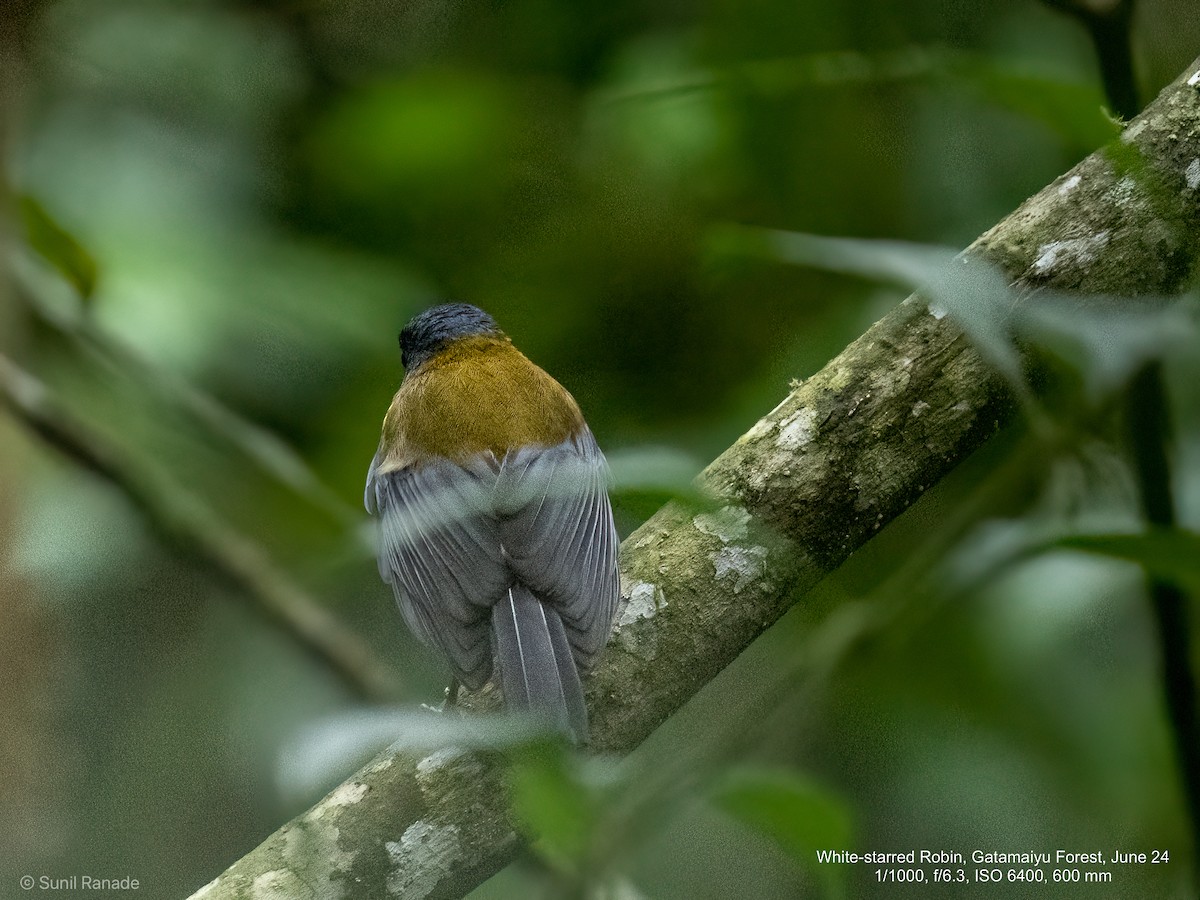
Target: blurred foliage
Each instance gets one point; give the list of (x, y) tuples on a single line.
[(799, 816), (57, 246), (222, 212), (1171, 555)]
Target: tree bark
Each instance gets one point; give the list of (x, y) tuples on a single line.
[(846, 452)]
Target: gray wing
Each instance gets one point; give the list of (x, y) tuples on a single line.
[(559, 538), (439, 548)]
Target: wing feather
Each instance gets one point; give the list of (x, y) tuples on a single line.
[(440, 550), (557, 527), (455, 537)]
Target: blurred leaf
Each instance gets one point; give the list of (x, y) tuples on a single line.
[(328, 749), (556, 807), (1105, 343), (661, 473), (1101, 340), (645, 478), (57, 245), (798, 815), (907, 264), (974, 292), (1173, 555)]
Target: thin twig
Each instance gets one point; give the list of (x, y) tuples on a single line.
[(1149, 433), (1149, 430), (196, 529), (260, 446)]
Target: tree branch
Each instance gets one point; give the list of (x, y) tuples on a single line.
[(268, 452), (198, 531), (846, 452)]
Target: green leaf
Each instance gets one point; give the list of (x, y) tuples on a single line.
[(1105, 343), (645, 478), (556, 808), (57, 245), (1170, 554), (974, 292), (800, 816)]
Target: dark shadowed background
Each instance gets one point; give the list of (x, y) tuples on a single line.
[(222, 213)]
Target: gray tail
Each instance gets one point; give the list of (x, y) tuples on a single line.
[(537, 668)]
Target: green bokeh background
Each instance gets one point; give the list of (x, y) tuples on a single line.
[(270, 190)]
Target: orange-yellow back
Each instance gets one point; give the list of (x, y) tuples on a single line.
[(479, 393)]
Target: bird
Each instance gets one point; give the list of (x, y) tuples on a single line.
[(495, 528)]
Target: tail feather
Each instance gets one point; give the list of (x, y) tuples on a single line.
[(537, 666)]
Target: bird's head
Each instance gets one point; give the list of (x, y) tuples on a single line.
[(437, 328)]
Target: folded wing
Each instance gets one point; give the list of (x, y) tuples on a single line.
[(454, 538), (559, 539), (439, 548)]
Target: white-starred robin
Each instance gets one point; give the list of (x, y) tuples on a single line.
[(496, 531)]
